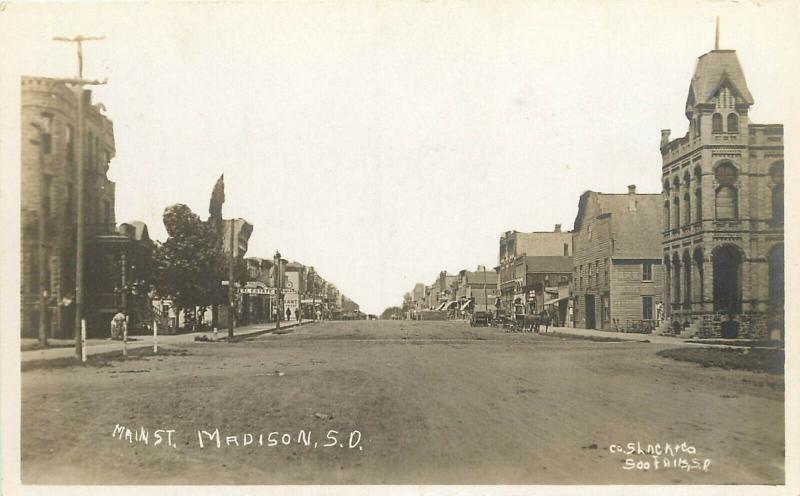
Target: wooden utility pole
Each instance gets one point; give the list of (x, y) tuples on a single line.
[(230, 285), (278, 276), (79, 199)]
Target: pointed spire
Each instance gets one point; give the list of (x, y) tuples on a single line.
[(716, 38)]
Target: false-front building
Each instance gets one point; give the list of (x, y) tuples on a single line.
[(723, 210)]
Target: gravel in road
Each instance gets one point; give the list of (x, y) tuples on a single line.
[(411, 403)]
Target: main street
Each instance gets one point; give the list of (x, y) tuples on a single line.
[(432, 403)]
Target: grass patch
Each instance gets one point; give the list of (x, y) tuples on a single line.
[(755, 360), (751, 343), (599, 339), (102, 359)]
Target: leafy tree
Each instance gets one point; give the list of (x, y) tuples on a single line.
[(190, 264), (387, 314)]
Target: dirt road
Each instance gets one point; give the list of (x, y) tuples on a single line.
[(432, 403)]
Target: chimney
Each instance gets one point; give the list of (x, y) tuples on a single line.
[(665, 136), (632, 198), (631, 189), (558, 228)]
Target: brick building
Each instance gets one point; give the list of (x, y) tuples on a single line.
[(617, 271), (48, 192), (723, 210), (516, 275)]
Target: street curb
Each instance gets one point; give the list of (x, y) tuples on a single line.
[(262, 332)]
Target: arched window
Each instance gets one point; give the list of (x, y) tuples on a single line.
[(716, 123), (726, 203), (666, 216), (733, 123), (726, 174), (697, 124)]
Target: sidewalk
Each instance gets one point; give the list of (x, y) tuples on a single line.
[(64, 348), (627, 336)]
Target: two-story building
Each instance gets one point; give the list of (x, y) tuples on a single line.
[(617, 271), (520, 274)]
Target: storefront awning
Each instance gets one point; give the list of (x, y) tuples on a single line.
[(441, 306), (451, 305), (555, 300), (465, 305)]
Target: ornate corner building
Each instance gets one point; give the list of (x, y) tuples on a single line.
[(723, 211)]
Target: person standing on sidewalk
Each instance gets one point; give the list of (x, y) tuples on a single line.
[(297, 314), (288, 314)]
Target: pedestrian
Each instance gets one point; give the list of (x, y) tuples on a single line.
[(297, 314), (118, 325), (659, 313), (318, 314), (288, 314)]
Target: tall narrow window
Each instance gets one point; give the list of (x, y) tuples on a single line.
[(716, 123), (687, 211), (776, 173), (777, 202), (70, 141), (666, 216), (726, 203), (47, 133), (733, 123), (677, 205), (647, 271)]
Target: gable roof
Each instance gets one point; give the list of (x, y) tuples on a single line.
[(713, 69), (637, 233)]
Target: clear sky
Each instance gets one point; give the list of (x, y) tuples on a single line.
[(383, 142)]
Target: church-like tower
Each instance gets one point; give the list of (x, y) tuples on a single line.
[(723, 211)]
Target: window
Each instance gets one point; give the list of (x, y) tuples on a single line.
[(726, 203), (666, 216), (677, 205), (698, 124), (726, 174), (733, 123), (566, 249), (647, 307), (777, 202), (647, 271), (698, 205), (47, 133), (716, 123), (776, 173), (70, 140), (687, 211)]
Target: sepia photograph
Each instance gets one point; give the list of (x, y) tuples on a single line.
[(398, 247)]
